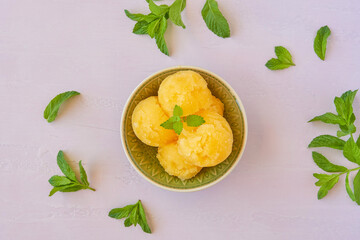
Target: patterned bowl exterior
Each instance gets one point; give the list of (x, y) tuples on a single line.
[(143, 157)]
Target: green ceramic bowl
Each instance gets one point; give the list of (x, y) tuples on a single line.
[(143, 157)]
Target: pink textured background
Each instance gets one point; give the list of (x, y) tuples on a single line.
[(50, 46)]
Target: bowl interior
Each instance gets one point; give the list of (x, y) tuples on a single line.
[(143, 156)]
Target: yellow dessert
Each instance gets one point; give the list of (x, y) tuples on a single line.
[(146, 120), (174, 164), (208, 144), (186, 89), (216, 106)]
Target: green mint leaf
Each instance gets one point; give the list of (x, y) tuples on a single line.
[(327, 186), (194, 120), (178, 127), (134, 215), (177, 111), (138, 17), (142, 220), (346, 130), (73, 187), (320, 41), (65, 167), (141, 28), (175, 12), (340, 107), (348, 188), (349, 96), (352, 151), (127, 222), (215, 20), (325, 165), (153, 27), (283, 61), (357, 188), (83, 175), (329, 118), (158, 10), (327, 141), (52, 108), (283, 55), (358, 141), (323, 178), (119, 213), (160, 39), (58, 181)]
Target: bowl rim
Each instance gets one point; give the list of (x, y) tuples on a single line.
[(239, 102)]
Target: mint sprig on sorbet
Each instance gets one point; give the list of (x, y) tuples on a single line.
[(175, 122)]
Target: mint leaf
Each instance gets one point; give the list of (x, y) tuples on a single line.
[(141, 27), (159, 37), (69, 182), (134, 215), (58, 181), (357, 188), (52, 108), (83, 175), (348, 188), (178, 127), (327, 185), (358, 141), (194, 120), (346, 130), (65, 167), (327, 141), (138, 17), (352, 151), (325, 165), (283, 55), (215, 20), (177, 111), (283, 61), (323, 178), (175, 12), (142, 220), (329, 118), (127, 222), (119, 213), (320, 41), (153, 27), (158, 10)]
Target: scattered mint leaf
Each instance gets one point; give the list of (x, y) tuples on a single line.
[(69, 182), (175, 122), (141, 27), (214, 19), (175, 12), (65, 167), (58, 181), (348, 188), (327, 141), (352, 151), (141, 17), (327, 186), (177, 111), (52, 108), (357, 188), (153, 27), (325, 165), (329, 118), (283, 61), (158, 10), (83, 175), (194, 120), (134, 215), (320, 41)]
